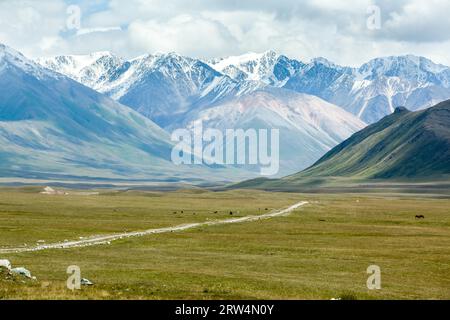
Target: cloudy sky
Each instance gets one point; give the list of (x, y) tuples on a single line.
[(346, 33)]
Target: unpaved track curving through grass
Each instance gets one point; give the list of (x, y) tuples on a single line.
[(106, 239)]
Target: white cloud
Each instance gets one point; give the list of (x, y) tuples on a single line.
[(185, 34), (29, 25), (85, 31), (305, 29), (420, 21)]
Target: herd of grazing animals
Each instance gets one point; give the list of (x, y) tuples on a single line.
[(418, 217), (216, 212)]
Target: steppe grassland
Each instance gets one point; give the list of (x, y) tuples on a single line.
[(320, 251)]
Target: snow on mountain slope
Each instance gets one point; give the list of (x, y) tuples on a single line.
[(52, 126), (376, 88), (164, 87), (10, 58), (97, 70), (171, 89), (160, 87), (269, 68), (308, 126)]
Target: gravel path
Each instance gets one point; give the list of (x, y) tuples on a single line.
[(107, 239)]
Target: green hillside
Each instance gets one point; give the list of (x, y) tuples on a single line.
[(404, 146)]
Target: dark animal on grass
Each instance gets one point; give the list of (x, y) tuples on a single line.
[(420, 217), (231, 213)]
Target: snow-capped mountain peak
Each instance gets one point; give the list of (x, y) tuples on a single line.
[(61, 130), (408, 67), (269, 67), (10, 57), (9, 53), (74, 64), (177, 82), (375, 89), (324, 61), (5, 50), (92, 69)]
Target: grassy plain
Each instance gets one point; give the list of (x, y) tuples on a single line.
[(320, 251)]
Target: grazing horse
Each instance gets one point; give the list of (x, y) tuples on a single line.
[(420, 217)]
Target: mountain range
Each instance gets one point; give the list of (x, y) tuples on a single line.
[(101, 116), (160, 87), (176, 91), (163, 87), (54, 127)]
